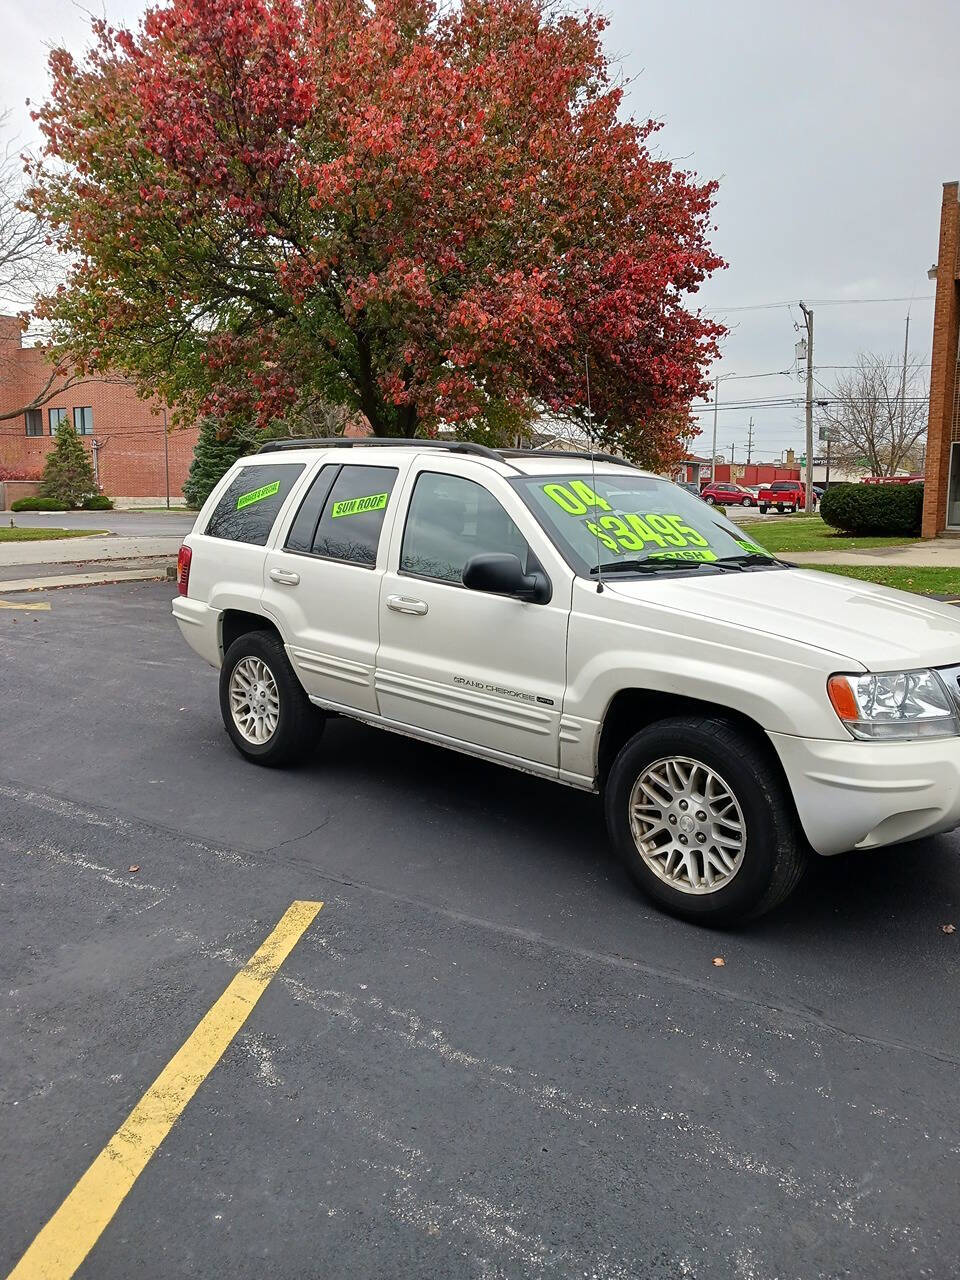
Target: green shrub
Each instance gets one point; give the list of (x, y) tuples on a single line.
[(874, 509), (37, 504), (97, 502)]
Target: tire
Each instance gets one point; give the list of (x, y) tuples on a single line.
[(772, 855), (781, 508), (710, 501), (299, 723), (747, 502), (763, 508)]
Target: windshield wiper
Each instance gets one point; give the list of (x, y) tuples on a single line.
[(647, 566), (748, 559)]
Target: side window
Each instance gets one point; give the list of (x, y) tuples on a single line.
[(349, 528), (304, 527), (450, 520), (248, 508)]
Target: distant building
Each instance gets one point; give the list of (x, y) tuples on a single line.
[(941, 500), (124, 434)]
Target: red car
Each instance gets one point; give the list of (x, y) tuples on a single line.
[(727, 495), (785, 495)]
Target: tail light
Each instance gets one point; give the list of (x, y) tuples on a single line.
[(183, 569)]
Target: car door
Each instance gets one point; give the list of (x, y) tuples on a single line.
[(464, 666), (322, 582)]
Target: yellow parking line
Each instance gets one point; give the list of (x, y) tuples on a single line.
[(9, 604), (74, 1229)]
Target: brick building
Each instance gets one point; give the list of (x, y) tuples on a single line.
[(941, 504), (124, 434)]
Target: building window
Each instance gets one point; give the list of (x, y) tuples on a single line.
[(34, 419), (83, 422), (55, 417)]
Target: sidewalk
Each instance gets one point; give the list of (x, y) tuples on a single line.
[(941, 553), (78, 550)]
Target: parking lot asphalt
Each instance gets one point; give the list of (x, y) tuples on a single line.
[(486, 1056)]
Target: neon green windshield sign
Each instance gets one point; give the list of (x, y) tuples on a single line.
[(257, 495), (357, 506)]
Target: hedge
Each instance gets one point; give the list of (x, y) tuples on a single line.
[(38, 504), (874, 509), (97, 502)]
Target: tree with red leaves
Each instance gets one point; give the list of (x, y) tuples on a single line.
[(422, 213)]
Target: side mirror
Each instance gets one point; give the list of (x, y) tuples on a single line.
[(502, 575)]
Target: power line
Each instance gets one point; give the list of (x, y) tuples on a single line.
[(820, 302)]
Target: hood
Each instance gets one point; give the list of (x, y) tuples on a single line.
[(874, 627)]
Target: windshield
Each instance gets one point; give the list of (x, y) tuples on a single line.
[(623, 520)]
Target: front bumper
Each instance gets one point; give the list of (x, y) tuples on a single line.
[(862, 795), (200, 626)]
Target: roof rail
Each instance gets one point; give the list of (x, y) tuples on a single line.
[(566, 453), (391, 442)]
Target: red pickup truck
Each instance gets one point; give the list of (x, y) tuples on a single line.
[(785, 495)]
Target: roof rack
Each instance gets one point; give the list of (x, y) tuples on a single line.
[(391, 442), (566, 453)]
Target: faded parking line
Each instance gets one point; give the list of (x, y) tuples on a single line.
[(60, 1247)]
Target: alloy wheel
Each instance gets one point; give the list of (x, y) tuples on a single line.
[(254, 700), (687, 825)]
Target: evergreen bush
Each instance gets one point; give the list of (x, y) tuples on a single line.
[(37, 504), (68, 473), (212, 458), (874, 509)]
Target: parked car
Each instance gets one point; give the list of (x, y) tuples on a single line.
[(689, 487), (785, 495), (727, 495), (589, 623)]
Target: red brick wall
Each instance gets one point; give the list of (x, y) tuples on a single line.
[(943, 367), (129, 430)]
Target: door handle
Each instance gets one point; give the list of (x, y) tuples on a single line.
[(286, 576), (403, 604)]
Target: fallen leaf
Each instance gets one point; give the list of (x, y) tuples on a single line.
[(949, 928), (718, 962), (135, 867)]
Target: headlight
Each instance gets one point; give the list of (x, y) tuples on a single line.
[(900, 704)]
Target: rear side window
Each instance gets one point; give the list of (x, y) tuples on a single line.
[(353, 515), (304, 527), (252, 501)]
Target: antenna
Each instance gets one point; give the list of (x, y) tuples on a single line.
[(593, 472)]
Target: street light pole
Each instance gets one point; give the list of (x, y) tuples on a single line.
[(713, 454), (166, 457), (808, 317)]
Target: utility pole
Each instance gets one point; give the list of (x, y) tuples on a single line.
[(166, 457), (808, 479), (750, 442), (733, 450), (903, 385), (713, 455)]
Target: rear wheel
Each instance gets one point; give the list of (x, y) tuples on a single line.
[(704, 821), (763, 508), (265, 710), (781, 508)]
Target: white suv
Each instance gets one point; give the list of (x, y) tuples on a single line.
[(585, 621)]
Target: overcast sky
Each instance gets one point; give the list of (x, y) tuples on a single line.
[(826, 124)]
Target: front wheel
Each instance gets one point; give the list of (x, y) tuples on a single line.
[(265, 710), (711, 502), (704, 821), (748, 502)]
